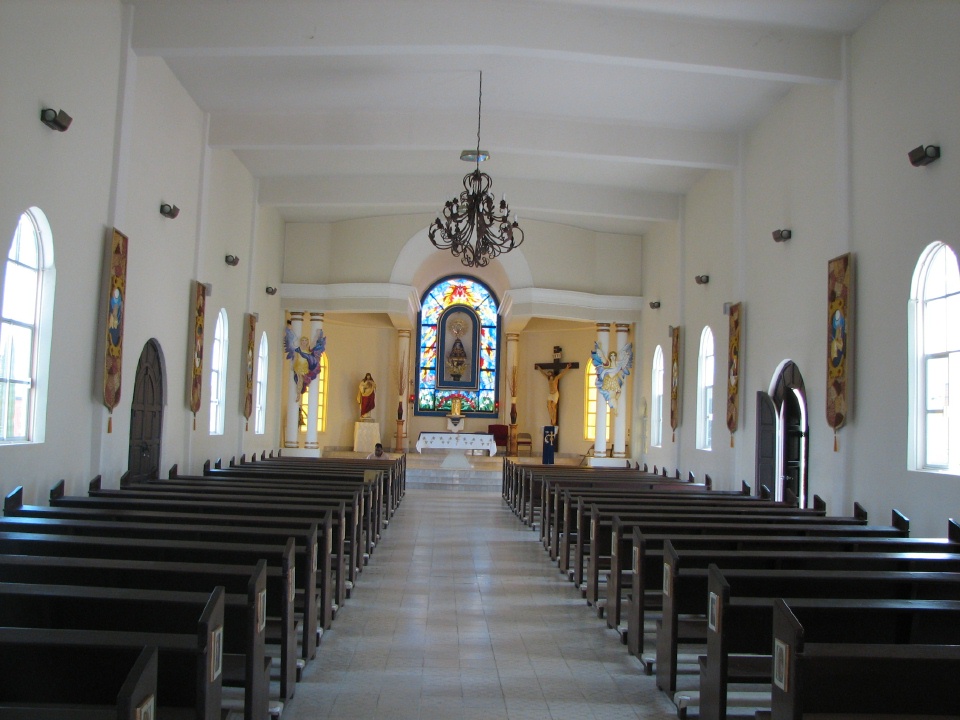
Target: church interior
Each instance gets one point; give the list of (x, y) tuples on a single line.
[(724, 245)]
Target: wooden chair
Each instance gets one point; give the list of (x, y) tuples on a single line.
[(524, 440), (501, 435)]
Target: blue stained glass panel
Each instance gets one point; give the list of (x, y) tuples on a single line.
[(477, 297)]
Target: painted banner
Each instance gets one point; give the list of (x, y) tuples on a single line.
[(733, 370), (198, 306), (839, 335), (675, 380), (250, 323), (117, 296)]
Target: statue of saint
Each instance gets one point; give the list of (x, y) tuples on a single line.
[(553, 397), (367, 396)]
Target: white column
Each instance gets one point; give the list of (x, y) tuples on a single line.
[(600, 444), (404, 361), (620, 419), (291, 437), (513, 347), (313, 392)]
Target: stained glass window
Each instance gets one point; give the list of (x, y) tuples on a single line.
[(477, 386)]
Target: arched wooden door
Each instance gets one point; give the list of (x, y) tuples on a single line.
[(146, 414), (782, 435)]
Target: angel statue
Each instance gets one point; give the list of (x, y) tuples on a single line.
[(611, 371), (304, 356)]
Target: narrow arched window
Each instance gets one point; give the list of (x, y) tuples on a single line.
[(935, 362), (218, 375), (705, 365), (656, 399), (590, 397), (25, 320), (321, 382), (260, 391)]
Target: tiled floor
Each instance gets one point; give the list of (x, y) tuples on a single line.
[(461, 615)]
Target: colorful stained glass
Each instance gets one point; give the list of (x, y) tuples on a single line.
[(477, 297)]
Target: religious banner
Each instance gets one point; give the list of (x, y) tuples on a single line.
[(675, 381), (250, 323), (113, 357), (839, 334), (198, 306), (733, 371)]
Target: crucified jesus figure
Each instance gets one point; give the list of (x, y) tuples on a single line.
[(553, 397)]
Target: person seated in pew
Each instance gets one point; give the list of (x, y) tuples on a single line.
[(378, 453)]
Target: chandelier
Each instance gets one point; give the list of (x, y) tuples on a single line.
[(474, 226)]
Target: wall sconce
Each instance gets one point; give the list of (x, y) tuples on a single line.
[(702, 279), (232, 260), (271, 290), (921, 155), (169, 211), (655, 305), (55, 120), (781, 235)]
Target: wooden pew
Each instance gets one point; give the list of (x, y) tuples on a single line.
[(829, 574), (359, 541), (694, 512), (854, 678), (740, 635), (189, 669), (646, 582), (237, 581), (229, 501), (598, 547), (237, 644), (166, 550), (644, 556), (572, 516), (555, 512), (246, 506), (91, 680)]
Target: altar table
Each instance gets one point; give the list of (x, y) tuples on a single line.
[(456, 441)]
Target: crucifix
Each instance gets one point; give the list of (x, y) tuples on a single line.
[(553, 372)]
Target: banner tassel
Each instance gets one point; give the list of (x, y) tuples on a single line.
[(731, 440), (110, 424), (836, 442), (194, 421)]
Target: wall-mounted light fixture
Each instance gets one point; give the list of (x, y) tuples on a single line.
[(702, 279), (654, 304), (169, 211), (271, 290), (924, 155), (55, 119), (232, 260), (781, 235)]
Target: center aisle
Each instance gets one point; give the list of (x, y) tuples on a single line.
[(461, 614)]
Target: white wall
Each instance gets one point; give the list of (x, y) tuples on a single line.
[(905, 74), (137, 140), (68, 176)]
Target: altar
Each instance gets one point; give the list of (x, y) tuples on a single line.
[(456, 441)]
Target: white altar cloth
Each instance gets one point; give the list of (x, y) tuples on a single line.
[(456, 441)]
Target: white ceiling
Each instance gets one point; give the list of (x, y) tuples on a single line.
[(597, 113)]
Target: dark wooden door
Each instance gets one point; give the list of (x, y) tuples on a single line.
[(766, 459), (146, 415)]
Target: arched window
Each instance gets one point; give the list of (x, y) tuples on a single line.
[(656, 399), (218, 374), (459, 347), (260, 391), (590, 403), (321, 381), (705, 391), (935, 362), (25, 320)]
